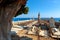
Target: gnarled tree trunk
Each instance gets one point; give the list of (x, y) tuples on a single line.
[(6, 14)]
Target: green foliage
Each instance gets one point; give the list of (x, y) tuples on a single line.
[(23, 10), (26, 9)]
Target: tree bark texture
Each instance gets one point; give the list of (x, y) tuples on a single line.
[(6, 14)]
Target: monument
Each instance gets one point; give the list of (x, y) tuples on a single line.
[(38, 17), (52, 22)]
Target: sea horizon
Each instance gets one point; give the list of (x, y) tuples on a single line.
[(22, 19)]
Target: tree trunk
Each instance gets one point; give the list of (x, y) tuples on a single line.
[(5, 22), (6, 14)]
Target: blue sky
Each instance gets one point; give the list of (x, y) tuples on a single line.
[(46, 8)]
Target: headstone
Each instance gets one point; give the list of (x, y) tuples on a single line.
[(52, 22), (34, 29), (59, 28)]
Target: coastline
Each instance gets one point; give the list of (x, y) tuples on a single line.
[(18, 22)]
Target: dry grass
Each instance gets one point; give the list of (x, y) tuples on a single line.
[(25, 23), (22, 33), (34, 37)]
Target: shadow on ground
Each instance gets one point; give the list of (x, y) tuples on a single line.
[(16, 37)]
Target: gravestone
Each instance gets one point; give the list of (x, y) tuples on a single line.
[(52, 22)]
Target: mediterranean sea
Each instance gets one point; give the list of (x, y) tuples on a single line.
[(22, 19)]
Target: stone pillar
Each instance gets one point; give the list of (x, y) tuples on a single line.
[(38, 17)]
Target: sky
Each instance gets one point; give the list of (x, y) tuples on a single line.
[(46, 8)]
